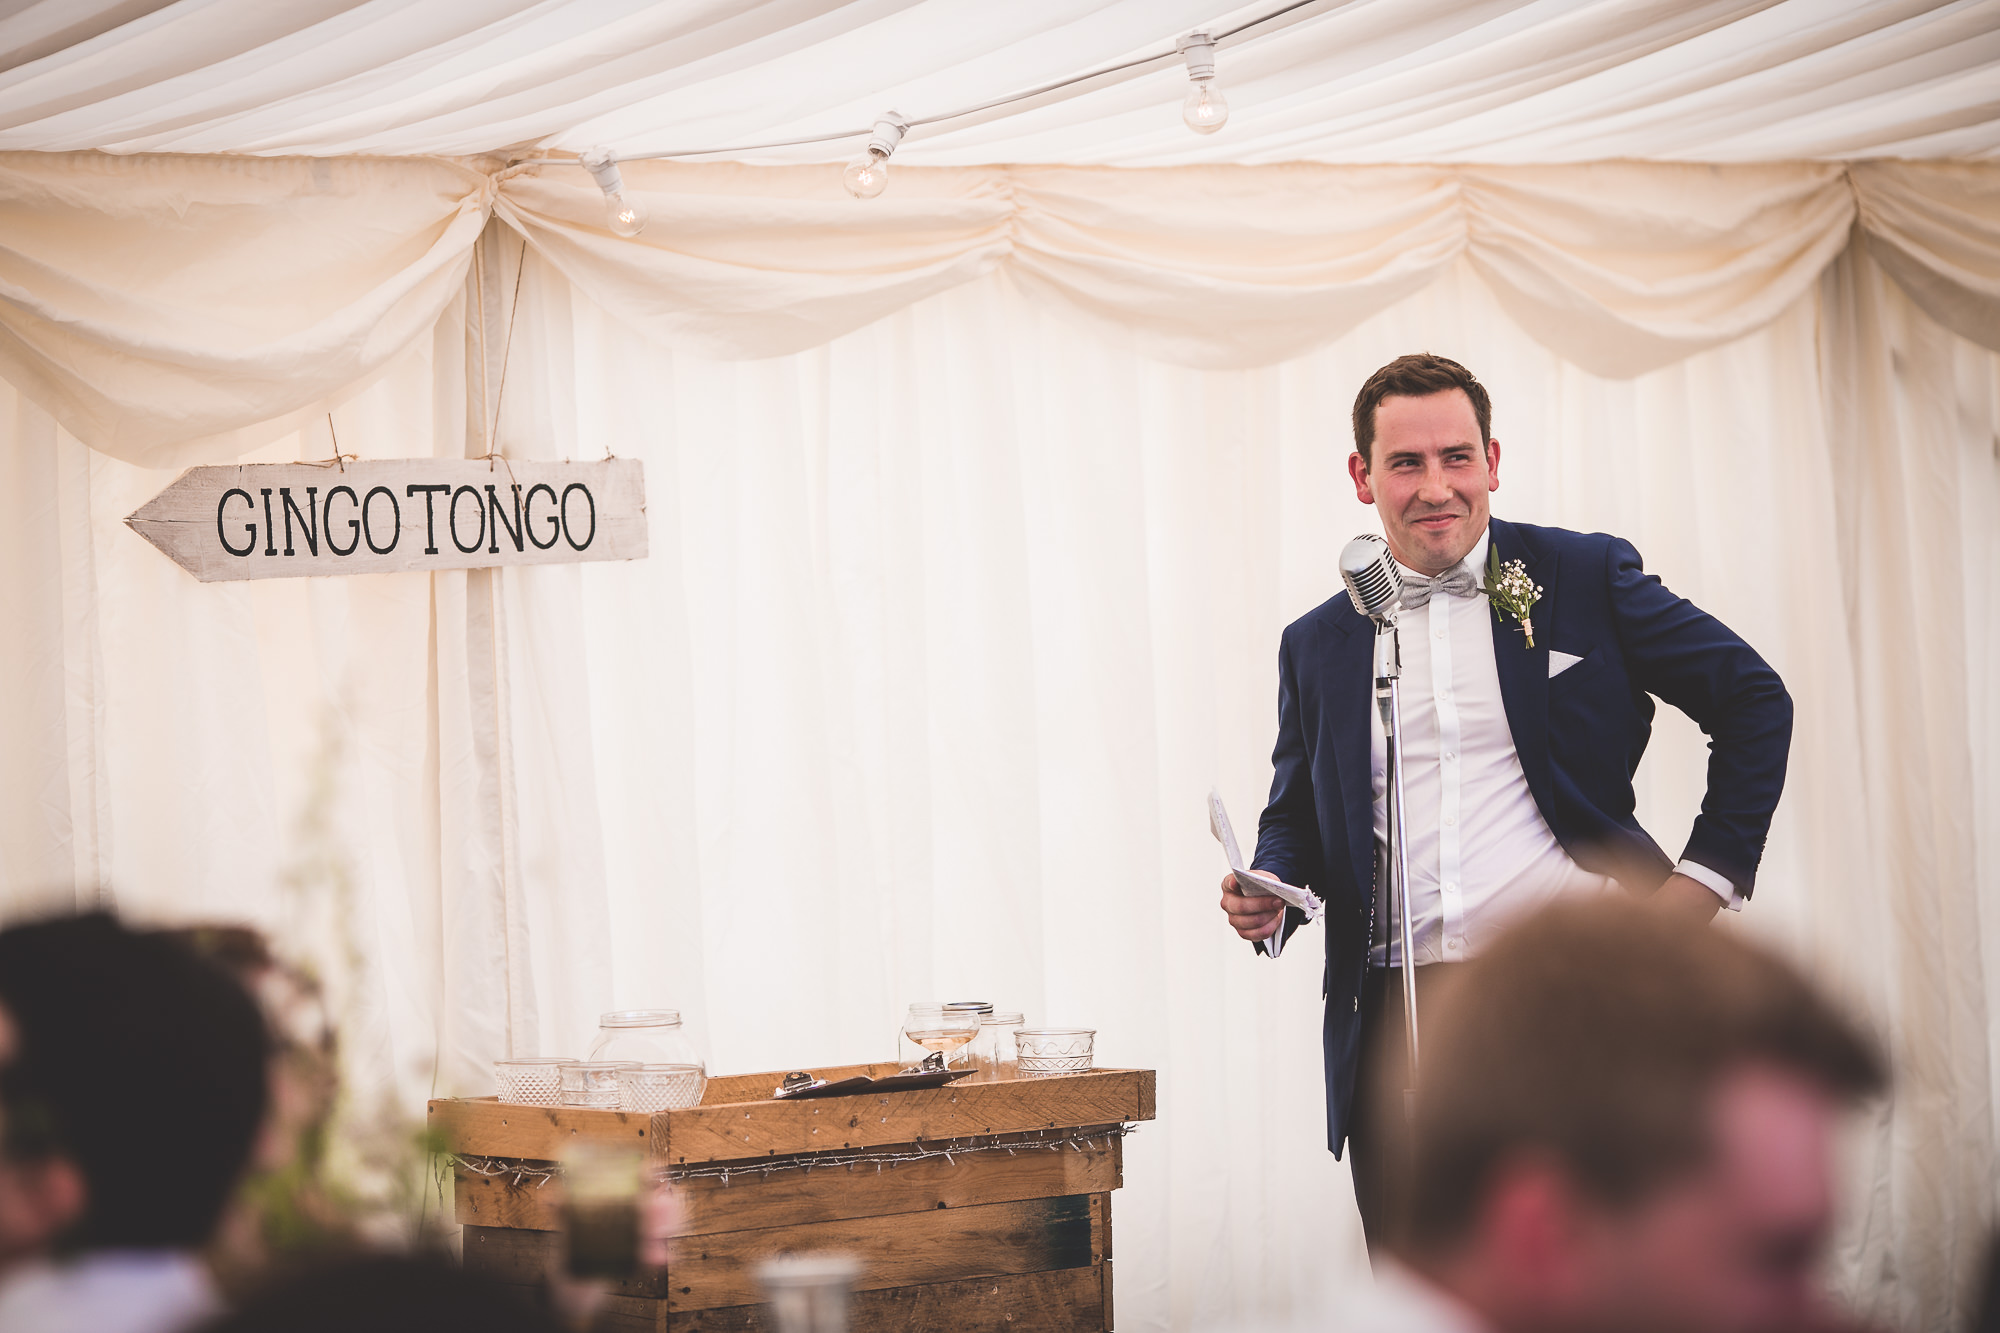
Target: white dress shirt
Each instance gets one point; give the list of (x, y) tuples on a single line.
[(109, 1291), (1481, 854)]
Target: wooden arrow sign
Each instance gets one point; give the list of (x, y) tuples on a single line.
[(286, 520)]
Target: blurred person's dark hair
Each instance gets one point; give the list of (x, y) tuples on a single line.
[(140, 1063), (385, 1294), (289, 1207), (1591, 1036)]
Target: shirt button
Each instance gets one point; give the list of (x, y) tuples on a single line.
[(1449, 820), (1452, 946), (1450, 756), (1439, 631)]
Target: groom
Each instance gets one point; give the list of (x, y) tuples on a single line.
[(1521, 733)]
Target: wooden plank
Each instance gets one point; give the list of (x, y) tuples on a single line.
[(1110, 1314), (829, 1194), (1064, 1300), (908, 1249), (792, 1197), (286, 520), (505, 1201), (522, 1257), (734, 1131), (630, 1314), (483, 1127)]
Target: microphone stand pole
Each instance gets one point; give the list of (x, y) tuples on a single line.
[(1389, 702)]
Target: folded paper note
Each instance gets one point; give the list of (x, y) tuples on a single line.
[(1258, 881)]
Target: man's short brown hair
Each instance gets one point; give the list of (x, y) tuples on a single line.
[(1418, 375), (1592, 1036)]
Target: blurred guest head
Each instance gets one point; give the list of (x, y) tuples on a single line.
[(1624, 1123), (385, 1294), (132, 1086)]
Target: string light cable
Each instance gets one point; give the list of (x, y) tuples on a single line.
[(1204, 111), (524, 1173)]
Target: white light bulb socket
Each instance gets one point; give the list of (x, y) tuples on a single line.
[(1198, 49), (602, 164), (888, 133)]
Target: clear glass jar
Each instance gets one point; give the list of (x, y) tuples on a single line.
[(996, 1050), (646, 1037)]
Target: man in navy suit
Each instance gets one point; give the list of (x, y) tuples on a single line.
[(1520, 742)]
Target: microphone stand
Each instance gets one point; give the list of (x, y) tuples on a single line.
[(1389, 703)]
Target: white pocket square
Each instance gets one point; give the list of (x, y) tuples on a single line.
[(1561, 662)]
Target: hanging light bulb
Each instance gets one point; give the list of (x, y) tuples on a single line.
[(622, 213), (1205, 110), (868, 175)]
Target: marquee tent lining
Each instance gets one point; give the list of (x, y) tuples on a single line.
[(1620, 267), (1339, 81)]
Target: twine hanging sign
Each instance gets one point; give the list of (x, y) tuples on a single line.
[(288, 520)]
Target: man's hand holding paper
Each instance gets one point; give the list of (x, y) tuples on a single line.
[(1255, 899), (1255, 912)]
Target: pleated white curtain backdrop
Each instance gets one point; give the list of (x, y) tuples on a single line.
[(948, 627)]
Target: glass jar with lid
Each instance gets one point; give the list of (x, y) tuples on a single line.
[(646, 1037)]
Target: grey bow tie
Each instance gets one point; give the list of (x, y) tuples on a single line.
[(1417, 589)]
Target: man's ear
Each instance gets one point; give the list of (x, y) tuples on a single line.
[(64, 1194), (1493, 465), (1537, 1228), (1357, 468)]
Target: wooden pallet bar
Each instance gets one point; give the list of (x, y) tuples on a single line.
[(1004, 1233)]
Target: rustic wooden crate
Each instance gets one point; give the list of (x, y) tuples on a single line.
[(981, 1240)]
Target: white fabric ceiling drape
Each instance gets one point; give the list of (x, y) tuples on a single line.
[(949, 625), (1338, 81), (136, 293), (131, 289)]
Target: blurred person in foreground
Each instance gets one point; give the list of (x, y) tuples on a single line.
[(386, 1294), (1622, 1123), (133, 1082)]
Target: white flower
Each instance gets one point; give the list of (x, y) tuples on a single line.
[(1511, 590)]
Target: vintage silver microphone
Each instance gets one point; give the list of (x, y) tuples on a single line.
[(1375, 588), (1374, 581)]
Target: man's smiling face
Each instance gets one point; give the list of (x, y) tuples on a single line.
[(1429, 473)]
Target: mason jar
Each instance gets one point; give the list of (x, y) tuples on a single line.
[(646, 1037), (997, 1050)]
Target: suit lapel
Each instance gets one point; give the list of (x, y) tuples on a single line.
[(1351, 682), (1524, 671)]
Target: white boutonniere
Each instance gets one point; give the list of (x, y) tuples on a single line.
[(1511, 590)]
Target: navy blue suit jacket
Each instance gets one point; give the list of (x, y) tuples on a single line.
[(1579, 737)]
